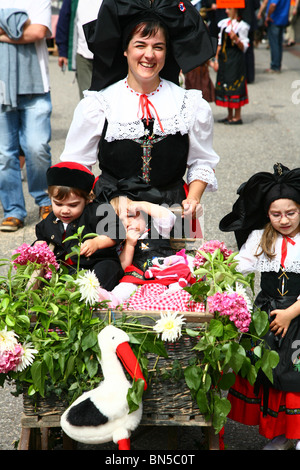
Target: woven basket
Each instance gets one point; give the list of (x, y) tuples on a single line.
[(170, 397), (38, 406)]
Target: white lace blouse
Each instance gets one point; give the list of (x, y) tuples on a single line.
[(239, 27), (179, 110), (250, 263)]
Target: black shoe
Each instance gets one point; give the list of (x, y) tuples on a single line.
[(233, 123)]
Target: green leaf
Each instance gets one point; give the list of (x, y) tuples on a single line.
[(89, 340), (38, 376), (227, 381), (55, 308), (193, 376), (10, 321), (222, 407), (202, 401), (235, 356), (92, 366), (251, 375), (90, 235), (269, 360), (70, 367), (135, 394), (48, 358), (230, 332), (192, 333), (261, 322), (5, 302), (216, 327)]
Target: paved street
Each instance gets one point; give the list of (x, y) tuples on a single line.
[(270, 134)]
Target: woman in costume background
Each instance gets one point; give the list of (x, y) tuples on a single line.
[(231, 87), (266, 221), (142, 127)]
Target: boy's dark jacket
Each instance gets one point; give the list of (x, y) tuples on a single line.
[(51, 230)]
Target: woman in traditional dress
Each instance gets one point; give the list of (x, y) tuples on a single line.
[(143, 128)]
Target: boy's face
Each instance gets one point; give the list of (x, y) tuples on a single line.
[(69, 208)]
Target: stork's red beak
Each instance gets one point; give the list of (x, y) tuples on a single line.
[(130, 362)]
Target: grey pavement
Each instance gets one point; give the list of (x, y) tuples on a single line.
[(270, 133)]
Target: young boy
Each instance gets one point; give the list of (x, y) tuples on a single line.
[(70, 188)]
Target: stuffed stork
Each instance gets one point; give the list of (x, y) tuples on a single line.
[(101, 415)]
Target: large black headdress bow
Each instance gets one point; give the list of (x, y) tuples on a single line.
[(190, 42), (250, 211)]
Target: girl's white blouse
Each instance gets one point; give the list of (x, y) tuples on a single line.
[(239, 27), (250, 263), (179, 110)]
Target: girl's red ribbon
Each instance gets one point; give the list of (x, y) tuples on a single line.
[(285, 241)]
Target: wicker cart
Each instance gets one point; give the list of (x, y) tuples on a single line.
[(166, 403)]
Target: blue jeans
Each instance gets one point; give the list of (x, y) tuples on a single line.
[(275, 36), (27, 126)]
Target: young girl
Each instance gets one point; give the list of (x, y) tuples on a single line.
[(274, 251), (231, 87), (69, 187), (146, 254)]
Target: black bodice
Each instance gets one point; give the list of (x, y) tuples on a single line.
[(124, 158)]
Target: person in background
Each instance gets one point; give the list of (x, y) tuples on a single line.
[(249, 16), (231, 85), (25, 107), (276, 20), (290, 30), (72, 47)]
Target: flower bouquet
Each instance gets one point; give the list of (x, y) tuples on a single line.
[(234, 335)]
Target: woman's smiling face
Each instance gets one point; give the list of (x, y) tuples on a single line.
[(146, 57)]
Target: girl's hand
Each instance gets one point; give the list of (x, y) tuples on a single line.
[(280, 323), (132, 236)]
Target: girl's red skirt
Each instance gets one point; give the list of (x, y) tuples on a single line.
[(283, 414)]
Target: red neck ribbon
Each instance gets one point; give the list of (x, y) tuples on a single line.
[(144, 106), (284, 245)]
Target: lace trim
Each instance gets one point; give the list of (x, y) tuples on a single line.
[(273, 265), (181, 122), (196, 172)]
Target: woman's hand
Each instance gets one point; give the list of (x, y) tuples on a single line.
[(191, 208), (191, 205)]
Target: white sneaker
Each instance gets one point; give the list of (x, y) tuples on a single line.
[(297, 447), (280, 443)]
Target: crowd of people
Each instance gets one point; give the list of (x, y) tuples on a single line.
[(152, 140)]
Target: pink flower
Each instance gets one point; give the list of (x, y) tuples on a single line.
[(210, 247), (232, 305), (10, 359), (39, 253)]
